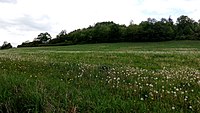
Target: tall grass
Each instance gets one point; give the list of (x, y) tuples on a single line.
[(163, 78)]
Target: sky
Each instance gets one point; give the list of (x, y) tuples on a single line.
[(22, 20)]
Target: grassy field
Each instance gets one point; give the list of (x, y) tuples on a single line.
[(162, 77)]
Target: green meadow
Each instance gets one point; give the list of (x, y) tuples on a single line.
[(152, 77)]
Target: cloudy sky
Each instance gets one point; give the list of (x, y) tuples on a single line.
[(22, 20)]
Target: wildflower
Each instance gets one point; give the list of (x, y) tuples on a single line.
[(173, 107), (198, 82), (156, 92), (150, 85), (142, 99), (151, 93), (118, 78), (186, 97)]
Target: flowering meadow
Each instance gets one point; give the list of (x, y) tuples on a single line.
[(156, 77)]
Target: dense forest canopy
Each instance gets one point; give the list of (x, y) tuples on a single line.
[(184, 28)]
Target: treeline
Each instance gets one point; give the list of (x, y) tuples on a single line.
[(6, 45), (150, 30)]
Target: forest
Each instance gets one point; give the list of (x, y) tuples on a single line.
[(151, 30)]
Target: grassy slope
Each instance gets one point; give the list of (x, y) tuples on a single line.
[(118, 77), (123, 46)]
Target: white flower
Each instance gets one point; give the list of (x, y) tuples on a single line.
[(198, 82), (151, 93), (151, 85), (173, 107)]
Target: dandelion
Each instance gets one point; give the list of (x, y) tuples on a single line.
[(118, 78), (186, 98), (150, 85), (198, 82), (151, 94), (156, 91)]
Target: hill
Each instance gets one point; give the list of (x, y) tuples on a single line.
[(151, 30), (107, 77)]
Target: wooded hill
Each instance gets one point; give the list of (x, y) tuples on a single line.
[(184, 28)]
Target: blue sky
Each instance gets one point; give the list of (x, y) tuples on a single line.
[(23, 20)]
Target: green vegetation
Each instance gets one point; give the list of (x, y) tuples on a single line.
[(150, 30), (6, 45), (162, 77)]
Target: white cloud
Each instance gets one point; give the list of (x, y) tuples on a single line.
[(175, 8), (8, 1), (23, 20)]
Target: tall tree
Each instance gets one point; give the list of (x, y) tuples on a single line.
[(60, 38), (43, 37), (185, 27), (6, 45)]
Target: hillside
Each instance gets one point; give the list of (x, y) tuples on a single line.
[(108, 77), (151, 30)]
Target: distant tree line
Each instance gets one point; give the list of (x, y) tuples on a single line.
[(150, 30), (6, 45)]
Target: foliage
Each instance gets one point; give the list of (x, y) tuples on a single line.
[(150, 30), (6, 45), (61, 37), (42, 38), (186, 27)]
